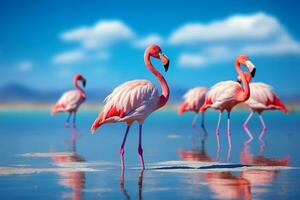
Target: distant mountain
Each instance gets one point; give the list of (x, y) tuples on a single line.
[(19, 93)]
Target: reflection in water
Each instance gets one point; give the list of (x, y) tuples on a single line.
[(228, 185), (260, 177), (140, 185), (74, 180), (197, 153), (224, 185)]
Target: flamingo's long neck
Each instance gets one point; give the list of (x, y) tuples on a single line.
[(165, 88), (75, 82), (243, 96)]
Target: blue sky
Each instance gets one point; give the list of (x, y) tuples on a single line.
[(44, 43)]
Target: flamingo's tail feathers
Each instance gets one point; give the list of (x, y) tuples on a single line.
[(57, 108), (97, 123), (183, 108), (280, 105)]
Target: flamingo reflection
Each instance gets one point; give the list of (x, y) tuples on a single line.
[(224, 185), (140, 185), (260, 177), (74, 180)]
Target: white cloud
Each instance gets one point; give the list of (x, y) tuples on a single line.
[(191, 60), (257, 34), (102, 55), (284, 45), (69, 57), (25, 65), (205, 57), (101, 34), (150, 39), (256, 26)]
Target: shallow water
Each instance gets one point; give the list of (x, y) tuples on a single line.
[(40, 158)]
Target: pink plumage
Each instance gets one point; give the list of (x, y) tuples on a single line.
[(135, 100), (227, 94), (129, 102), (222, 96), (71, 100), (193, 100), (263, 97)]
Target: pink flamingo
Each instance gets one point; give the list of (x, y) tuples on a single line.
[(262, 97), (226, 94), (193, 100), (135, 100), (71, 100)]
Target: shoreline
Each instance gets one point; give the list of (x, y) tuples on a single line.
[(22, 106)]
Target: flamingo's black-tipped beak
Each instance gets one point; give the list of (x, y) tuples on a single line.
[(165, 61), (166, 66), (239, 81), (84, 82), (251, 67), (253, 72)]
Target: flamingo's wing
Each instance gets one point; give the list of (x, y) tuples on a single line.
[(262, 96), (224, 91), (193, 99), (133, 98), (261, 93), (70, 100)]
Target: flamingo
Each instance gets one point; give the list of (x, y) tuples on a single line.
[(135, 101), (71, 100), (226, 94), (262, 97), (193, 100)]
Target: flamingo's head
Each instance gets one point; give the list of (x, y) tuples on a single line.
[(244, 60), (79, 77), (156, 52)]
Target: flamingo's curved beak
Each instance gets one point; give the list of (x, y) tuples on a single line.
[(251, 67), (84, 82), (165, 61)]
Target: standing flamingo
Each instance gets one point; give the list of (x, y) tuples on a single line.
[(71, 100), (226, 94), (193, 100), (262, 97), (135, 100)]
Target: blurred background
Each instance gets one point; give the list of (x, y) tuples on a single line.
[(44, 43)]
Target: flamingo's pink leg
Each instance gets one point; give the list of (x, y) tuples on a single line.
[(74, 120), (218, 150), (68, 119), (217, 130), (248, 119), (218, 125), (249, 134), (140, 149), (228, 130), (194, 120), (202, 120), (122, 147), (262, 122), (229, 155)]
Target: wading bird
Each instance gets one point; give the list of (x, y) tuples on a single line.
[(226, 94), (135, 100), (262, 97), (71, 100), (193, 100)]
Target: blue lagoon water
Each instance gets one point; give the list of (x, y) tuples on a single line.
[(41, 159)]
